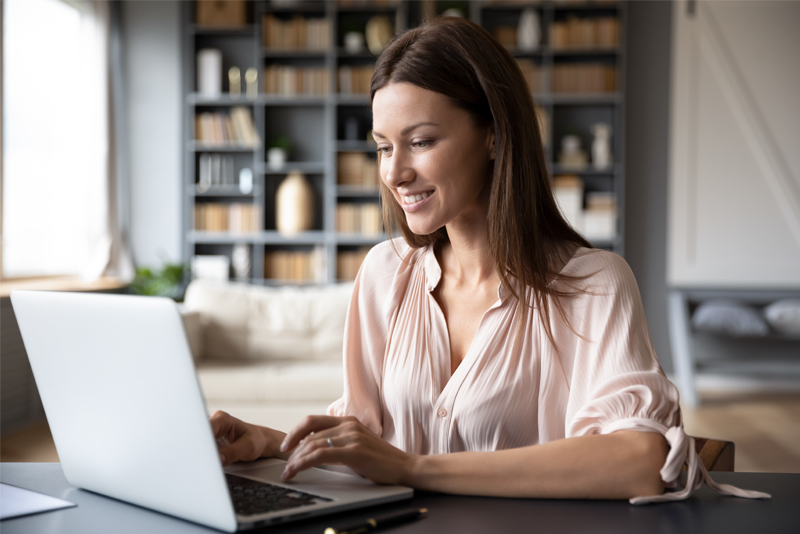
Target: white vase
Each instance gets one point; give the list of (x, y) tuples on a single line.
[(276, 158), (294, 209), (529, 32), (240, 259)]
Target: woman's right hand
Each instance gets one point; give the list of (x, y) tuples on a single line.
[(240, 441)]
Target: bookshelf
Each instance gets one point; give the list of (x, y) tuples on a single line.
[(316, 95)]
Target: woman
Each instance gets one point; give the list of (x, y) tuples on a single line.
[(492, 330)]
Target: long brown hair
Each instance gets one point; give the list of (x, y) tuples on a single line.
[(461, 60)]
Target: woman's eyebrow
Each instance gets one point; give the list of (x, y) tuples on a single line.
[(406, 129)]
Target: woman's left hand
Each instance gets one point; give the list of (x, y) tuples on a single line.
[(322, 439)]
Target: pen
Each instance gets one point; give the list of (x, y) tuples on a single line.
[(380, 522)]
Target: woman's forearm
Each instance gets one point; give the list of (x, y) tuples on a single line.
[(620, 465)]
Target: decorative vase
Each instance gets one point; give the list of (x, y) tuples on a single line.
[(294, 210), (379, 33), (276, 158), (529, 32), (353, 42), (601, 146), (240, 259)]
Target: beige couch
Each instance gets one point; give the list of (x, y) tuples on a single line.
[(268, 355)]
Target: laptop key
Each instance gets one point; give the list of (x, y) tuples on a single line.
[(251, 497)]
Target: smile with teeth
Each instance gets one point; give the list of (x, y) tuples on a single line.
[(416, 198)]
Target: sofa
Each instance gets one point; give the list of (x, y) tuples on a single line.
[(267, 355)]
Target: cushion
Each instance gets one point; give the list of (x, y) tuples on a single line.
[(273, 381), (242, 321), (784, 316), (729, 317)]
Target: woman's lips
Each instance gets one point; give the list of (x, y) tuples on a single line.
[(410, 207)]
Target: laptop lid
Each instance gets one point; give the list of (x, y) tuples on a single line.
[(119, 389)]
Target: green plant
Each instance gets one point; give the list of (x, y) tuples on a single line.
[(282, 141), (166, 283)]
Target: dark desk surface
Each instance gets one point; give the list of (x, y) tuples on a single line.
[(704, 512)]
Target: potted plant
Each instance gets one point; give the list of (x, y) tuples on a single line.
[(169, 282), (278, 152)]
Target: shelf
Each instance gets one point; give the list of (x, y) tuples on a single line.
[(364, 54), (569, 52), (306, 167), (270, 53), (194, 146), (294, 100), (359, 239), (224, 99), (354, 191), (585, 99), (588, 171), (243, 31), (223, 191), (220, 238), (352, 100), (355, 146), (265, 237), (273, 237)]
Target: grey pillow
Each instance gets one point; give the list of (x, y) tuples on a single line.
[(729, 317), (784, 316)]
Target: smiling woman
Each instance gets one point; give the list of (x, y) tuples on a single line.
[(458, 378)]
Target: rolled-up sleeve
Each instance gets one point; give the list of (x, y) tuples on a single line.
[(617, 383)]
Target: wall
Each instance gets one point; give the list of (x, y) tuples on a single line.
[(646, 125), (151, 55)]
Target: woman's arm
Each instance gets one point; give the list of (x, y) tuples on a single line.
[(619, 465)]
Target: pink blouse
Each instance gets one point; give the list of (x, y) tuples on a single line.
[(397, 367)]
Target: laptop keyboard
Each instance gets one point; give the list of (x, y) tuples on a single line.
[(252, 497)]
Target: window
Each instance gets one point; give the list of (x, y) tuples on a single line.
[(55, 137)]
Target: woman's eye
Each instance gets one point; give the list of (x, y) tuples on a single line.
[(421, 144), (384, 149)]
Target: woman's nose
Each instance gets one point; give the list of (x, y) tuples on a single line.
[(397, 169)]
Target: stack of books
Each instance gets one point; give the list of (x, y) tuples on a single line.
[(358, 170), (288, 80), (219, 128), (236, 218), (299, 33), (294, 265), (585, 33), (584, 78), (362, 219), (348, 262), (355, 80), (530, 71)]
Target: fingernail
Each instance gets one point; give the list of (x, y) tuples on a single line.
[(285, 473), (283, 446), (222, 458)]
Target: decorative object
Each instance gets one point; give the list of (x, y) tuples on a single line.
[(353, 42), (209, 72), (234, 82), (294, 210), (166, 283), (278, 153), (251, 79), (453, 12), (379, 33), (571, 155), (784, 316), (351, 128), (240, 259), (600, 215), (601, 146), (246, 181), (529, 31), (208, 267), (730, 317)]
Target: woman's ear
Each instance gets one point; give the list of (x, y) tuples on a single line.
[(490, 144)]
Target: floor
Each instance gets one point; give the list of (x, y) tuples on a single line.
[(765, 429)]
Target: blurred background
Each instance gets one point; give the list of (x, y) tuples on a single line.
[(151, 147)]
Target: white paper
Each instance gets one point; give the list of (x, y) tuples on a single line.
[(16, 502)]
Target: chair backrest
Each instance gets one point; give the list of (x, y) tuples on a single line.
[(716, 455)]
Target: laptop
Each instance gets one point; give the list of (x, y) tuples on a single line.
[(119, 388)]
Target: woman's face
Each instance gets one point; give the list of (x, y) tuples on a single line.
[(433, 158)]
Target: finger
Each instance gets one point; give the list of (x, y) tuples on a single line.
[(309, 424), (247, 447), (320, 455), (222, 424)]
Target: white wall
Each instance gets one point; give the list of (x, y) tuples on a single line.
[(152, 87)]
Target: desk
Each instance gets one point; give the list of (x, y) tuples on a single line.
[(705, 512)]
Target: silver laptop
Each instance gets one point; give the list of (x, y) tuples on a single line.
[(120, 392)]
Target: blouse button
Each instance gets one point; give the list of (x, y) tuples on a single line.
[(442, 412)]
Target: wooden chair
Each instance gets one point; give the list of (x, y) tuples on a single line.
[(716, 455)]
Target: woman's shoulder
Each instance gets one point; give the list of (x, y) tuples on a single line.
[(388, 256), (596, 266)]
